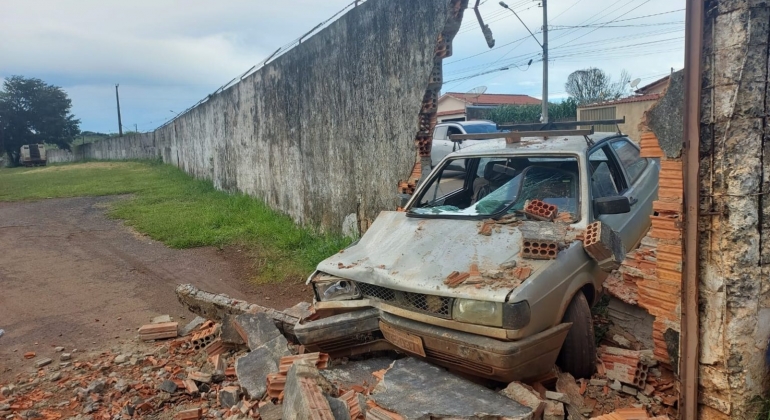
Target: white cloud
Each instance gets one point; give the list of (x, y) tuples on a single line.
[(167, 54)]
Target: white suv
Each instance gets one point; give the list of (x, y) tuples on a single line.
[(442, 146)]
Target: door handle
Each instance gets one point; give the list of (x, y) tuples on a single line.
[(632, 200)]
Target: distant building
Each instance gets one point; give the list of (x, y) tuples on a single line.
[(454, 106), (632, 108)]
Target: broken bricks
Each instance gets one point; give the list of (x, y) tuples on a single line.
[(539, 210), (304, 398), (158, 331), (604, 245)]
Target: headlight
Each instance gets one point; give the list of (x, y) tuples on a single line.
[(478, 312), (507, 315), (336, 290)]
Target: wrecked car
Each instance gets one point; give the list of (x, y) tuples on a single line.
[(486, 271)]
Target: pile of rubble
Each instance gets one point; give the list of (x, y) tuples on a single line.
[(240, 365)]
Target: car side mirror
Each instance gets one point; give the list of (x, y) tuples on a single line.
[(616, 204)]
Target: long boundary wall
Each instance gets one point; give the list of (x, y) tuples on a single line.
[(324, 132)]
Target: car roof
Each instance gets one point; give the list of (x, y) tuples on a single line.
[(534, 145)]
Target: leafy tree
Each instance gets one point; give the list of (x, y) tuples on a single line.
[(594, 85), (523, 114), (32, 111)]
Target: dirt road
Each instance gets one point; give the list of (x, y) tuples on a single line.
[(71, 277)]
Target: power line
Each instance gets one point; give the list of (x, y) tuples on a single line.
[(565, 10), (570, 54), (573, 47), (611, 9), (640, 25), (590, 32)]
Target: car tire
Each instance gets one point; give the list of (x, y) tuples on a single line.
[(578, 353)]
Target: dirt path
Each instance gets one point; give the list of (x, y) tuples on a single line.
[(71, 277)]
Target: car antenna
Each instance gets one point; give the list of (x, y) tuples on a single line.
[(589, 142)]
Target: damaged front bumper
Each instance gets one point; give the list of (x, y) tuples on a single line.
[(371, 329)]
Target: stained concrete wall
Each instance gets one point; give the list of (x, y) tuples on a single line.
[(734, 227), (59, 156), (322, 132)]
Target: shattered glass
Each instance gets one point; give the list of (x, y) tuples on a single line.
[(504, 187)]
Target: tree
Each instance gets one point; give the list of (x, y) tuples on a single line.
[(32, 111), (594, 85)]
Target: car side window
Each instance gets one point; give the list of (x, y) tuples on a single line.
[(605, 182), (629, 157), (440, 133)]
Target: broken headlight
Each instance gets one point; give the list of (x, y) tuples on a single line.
[(507, 315), (337, 289)]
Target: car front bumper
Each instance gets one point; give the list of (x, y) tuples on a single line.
[(371, 329)]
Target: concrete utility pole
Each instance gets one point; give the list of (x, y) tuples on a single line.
[(120, 124), (545, 62)]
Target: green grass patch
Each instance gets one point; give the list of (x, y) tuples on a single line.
[(182, 212)]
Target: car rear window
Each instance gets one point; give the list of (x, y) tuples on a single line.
[(480, 128)]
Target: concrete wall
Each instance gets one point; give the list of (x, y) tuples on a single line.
[(734, 226), (326, 130), (59, 156)]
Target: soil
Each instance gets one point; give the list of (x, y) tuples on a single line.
[(72, 277)]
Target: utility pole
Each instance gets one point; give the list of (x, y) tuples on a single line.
[(545, 62), (136, 128), (120, 124)]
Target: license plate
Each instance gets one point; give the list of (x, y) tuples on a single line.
[(409, 342)]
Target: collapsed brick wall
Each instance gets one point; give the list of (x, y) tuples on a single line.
[(651, 276), (427, 119), (325, 132)]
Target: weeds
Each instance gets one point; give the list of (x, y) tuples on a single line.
[(182, 212)]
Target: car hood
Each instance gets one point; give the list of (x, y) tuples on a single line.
[(417, 255)]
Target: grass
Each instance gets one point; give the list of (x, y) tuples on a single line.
[(182, 212)]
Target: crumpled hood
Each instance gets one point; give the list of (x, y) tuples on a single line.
[(417, 254)]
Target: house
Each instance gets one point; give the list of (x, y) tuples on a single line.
[(453, 106), (658, 86), (632, 108)]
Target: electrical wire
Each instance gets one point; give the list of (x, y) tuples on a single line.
[(575, 47), (590, 32)]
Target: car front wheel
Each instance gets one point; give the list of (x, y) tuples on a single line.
[(578, 353)]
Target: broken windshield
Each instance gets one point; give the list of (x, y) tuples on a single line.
[(500, 185)]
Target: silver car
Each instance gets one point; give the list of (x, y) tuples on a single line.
[(442, 145), (451, 279)]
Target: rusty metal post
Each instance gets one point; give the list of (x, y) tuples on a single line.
[(689, 353)]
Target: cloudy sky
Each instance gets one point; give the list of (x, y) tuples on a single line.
[(168, 54)]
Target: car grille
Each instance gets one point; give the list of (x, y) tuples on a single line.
[(429, 304)]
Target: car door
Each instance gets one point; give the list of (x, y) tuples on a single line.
[(608, 180), (441, 145), (641, 176)]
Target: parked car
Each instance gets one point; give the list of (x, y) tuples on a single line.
[(442, 145), (514, 317)]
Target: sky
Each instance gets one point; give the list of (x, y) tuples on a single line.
[(168, 54)]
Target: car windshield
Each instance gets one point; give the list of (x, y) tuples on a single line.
[(500, 185), (480, 128)]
